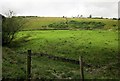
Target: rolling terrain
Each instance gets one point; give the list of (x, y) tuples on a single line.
[(97, 45)]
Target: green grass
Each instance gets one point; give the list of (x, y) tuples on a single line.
[(14, 67), (98, 48), (72, 44), (38, 22)]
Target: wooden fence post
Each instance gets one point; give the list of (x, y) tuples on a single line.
[(28, 75), (81, 68)]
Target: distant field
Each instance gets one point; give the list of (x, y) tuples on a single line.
[(39, 22)]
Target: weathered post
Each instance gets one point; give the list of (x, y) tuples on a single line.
[(28, 76), (81, 68)]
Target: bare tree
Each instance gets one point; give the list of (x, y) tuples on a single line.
[(10, 14)]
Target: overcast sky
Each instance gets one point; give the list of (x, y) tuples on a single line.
[(104, 8)]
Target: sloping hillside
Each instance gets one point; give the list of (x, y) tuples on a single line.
[(44, 22)]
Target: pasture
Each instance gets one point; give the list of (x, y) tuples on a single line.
[(99, 48), (35, 23), (70, 43)]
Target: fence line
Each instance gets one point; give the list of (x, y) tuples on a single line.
[(28, 72), (57, 58), (81, 68), (61, 59)]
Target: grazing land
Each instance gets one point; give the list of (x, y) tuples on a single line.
[(94, 39), (34, 23)]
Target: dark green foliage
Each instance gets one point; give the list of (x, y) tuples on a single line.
[(13, 64), (10, 26), (77, 25), (90, 16), (60, 25), (114, 25), (114, 18), (86, 25)]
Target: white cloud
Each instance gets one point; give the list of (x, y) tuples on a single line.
[(105, 8)]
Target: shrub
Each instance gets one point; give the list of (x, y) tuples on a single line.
[(10, 26), (77, 25)]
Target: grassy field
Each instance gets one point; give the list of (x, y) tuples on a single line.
[(98, 48), (39, 22), (70, 43)]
